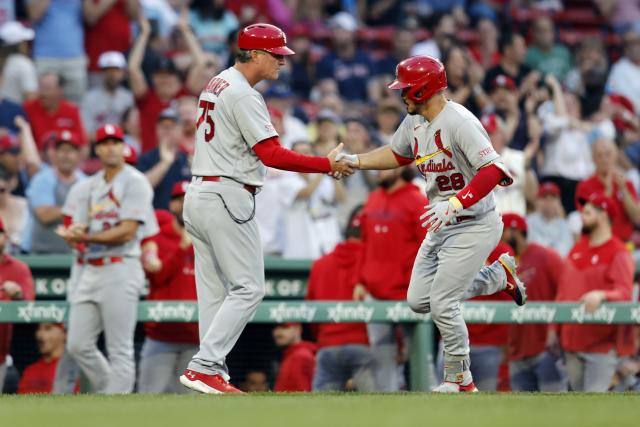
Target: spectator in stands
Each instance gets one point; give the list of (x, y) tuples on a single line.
[(311, 224), (255, 381), (9, 110), (19, 156), (487, 343), (383, 13), (512, 54), (385, 68), (533, 350), (567, 154), (16, 284), (600, 268), (547, 225), (625, 73), (58, 47), (212, 23), (444, 36), (51, 112), (525, 184), (107, 29), (517, 121), (296, 368), (169, 346), (391, 234), (165, 164), (344, 352), (486, 52), (38, 377), (621, 14), (328, 125), (107, 102), (589, 76), (463, 79), (130, 122), (19, 77), (302, 63), (187, 109), (280, 97), (388, 116), (47, 193), (349, 66), (609, 180), (13, 211), (166, 82), (544, 54)]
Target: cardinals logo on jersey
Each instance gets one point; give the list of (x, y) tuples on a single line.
[(426, 164)]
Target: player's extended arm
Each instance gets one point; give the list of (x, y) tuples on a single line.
[(118, 235), (378, 159), (273, 155)]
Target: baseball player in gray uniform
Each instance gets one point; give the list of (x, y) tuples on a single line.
[(453, 153), (234, 142), (112, 212)]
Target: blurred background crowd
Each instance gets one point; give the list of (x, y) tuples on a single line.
[(555, 84)]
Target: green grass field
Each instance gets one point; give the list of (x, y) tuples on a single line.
[(325, 410)]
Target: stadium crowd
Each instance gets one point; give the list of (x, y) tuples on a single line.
[(557, 88)]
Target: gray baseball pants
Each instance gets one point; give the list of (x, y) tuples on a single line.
[(229, 268), (591, 372), (450, 268)]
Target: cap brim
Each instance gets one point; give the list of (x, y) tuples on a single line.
[(396, 85), (283, 50)]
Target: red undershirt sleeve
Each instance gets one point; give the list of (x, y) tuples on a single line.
[(481, 184), (274, 155), (402, 161)]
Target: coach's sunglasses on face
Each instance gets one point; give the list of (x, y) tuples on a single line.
[(275, 56)]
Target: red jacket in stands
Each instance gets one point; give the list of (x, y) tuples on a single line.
[(333, 278), (150, 106), (622, 224), (392, 233), (67, 116), (610, 268), (112, 31), (297, 367), (38, 377), (175, 281), (494, 334), (539, 268), (12, 270)]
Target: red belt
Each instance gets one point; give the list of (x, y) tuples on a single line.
[(99, 262), (250, 188)]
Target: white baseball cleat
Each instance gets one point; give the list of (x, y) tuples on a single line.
[(448, 387)]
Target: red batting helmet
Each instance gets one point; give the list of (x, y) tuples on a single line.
[(264, 37), (423, 75)]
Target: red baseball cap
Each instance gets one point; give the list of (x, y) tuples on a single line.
[(8, 142), (66, 136), (130, 155), (504, 81), (179, 189), (513, 220), (601, 201), (289, 325), (109, 131), (620, 121), (489, 122), (547, 188)]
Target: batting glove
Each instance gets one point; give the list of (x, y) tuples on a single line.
[(441, 214)]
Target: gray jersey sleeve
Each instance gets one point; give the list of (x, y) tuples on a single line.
[(402, 140), (253, 119), (473, 141), (76, 205), (137, 200)]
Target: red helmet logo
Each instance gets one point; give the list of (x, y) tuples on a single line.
[(264, 37), (422, 75)]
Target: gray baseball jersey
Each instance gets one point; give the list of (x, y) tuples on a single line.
[(127, 197), (448, 152), (232, 118)]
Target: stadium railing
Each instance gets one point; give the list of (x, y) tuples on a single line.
[(288, 280)]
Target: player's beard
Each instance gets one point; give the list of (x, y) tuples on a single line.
[(588, 229)]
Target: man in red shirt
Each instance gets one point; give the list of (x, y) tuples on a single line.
[(599, 269), (343, 348), (533, 350), (108, 27), (169, 346), (612, 183), (391, 234), (16, 283), (298, 359), (38, 377), (50, 112), (166, 81)]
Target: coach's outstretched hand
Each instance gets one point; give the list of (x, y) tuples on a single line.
[(339, 166)]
